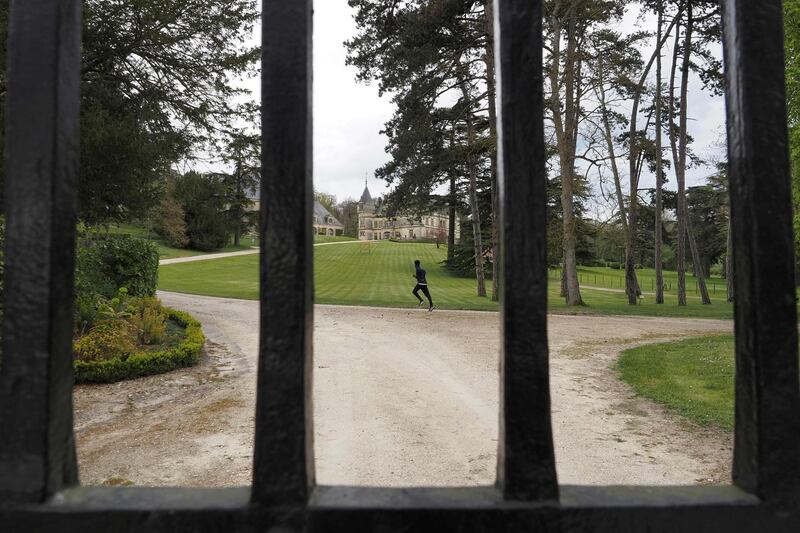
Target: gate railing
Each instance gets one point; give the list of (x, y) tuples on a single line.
[(38, 473)]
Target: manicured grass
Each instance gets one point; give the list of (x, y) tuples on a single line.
[(331, 238), (381, 274), (694, 377), (615, 278), (168, 252)]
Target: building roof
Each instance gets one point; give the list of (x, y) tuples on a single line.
[(366, 197), (323, 214)]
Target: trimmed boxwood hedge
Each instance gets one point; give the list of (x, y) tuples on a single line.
[(147, 363)]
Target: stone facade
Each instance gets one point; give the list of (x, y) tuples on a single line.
[(325, 223), (374, 225)]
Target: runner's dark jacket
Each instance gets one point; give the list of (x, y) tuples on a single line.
[(421, 276)]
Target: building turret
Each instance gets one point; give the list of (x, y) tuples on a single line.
[(366, 204)]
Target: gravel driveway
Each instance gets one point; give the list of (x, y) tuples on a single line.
[(402, 397)]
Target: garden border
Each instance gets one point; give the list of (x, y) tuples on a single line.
[(146, 363)]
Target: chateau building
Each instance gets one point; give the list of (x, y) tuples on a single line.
[(324, 222), (374, 225)]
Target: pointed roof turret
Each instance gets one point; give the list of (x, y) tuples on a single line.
[(366, 197)]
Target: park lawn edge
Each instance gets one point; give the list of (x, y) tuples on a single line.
[(147, 363), (692, 377), (381, 277)]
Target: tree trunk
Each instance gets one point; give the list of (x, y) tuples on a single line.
[(729, 263), (565, 125), (699, 273), (659, 166), (490, 92), (473, 192), (680, 167), (451, 237)]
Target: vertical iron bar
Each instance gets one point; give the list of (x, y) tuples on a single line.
[(767, 436), (284, 462), (526, 464), (37, 451)]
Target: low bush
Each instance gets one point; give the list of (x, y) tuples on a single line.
[(105, 263), (108, 339), (86, 312), (149, 319), (146, 363)]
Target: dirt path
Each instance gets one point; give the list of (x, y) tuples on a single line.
[(401, 398), (252, 251)]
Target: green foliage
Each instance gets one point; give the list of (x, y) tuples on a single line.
[(243, 152), (708, 211), (116, 308), (155, 83), (87, 311), (204, 199), (463, 262), (149, 319), (328, 201), (108, 339), (791, 20), (105, 263), (170, 220), (145, 363)]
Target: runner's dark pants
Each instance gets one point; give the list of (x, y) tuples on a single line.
[(425, 291)]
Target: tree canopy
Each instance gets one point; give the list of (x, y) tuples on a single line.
[(157, 84)]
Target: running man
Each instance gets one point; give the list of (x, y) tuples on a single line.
[(422, 285)]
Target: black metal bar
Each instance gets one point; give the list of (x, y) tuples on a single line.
[(526, 464), (284, 462), (602, 509), (37, 451), (766, 459)]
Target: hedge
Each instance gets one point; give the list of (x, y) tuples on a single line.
[(106, 263), (147, 363)]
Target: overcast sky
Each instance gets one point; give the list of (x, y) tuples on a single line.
[(348, 116)]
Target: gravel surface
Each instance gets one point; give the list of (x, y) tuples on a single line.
[(401, 398)]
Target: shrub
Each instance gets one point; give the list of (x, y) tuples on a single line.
[(149, 319), (116, 308), (170, 221), (204, 205), (614, 265), (146, 363), (106, 263), (108, 339), (86, 312)]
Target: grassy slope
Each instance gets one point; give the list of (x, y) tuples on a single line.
[(694, 377), (328, 238), (168, 252), (607, 277), (380, 274)]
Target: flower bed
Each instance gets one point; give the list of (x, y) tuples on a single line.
[(147, 362)]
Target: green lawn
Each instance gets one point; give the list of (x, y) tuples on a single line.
[(318, 239), (615, 278), (695, 377), (381, 274), (168, 252)]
